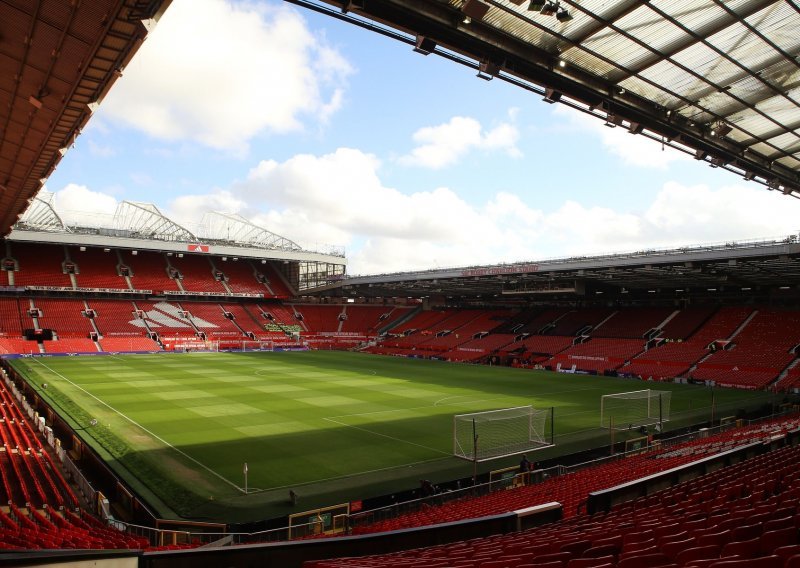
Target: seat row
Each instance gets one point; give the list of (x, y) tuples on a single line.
[(572, 489), (756, 526)]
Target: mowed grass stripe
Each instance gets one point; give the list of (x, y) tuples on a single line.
[(300, 418), (318, 455), (126, 417)]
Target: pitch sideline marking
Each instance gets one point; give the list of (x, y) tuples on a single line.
[(336, 477), (132, 421), (386, 436)]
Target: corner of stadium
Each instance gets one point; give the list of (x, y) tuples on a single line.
[(227, 397)]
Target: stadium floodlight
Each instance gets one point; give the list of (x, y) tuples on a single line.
[(474, 9), (424, 45), (718, 162), (536, 5), (612, 120), (721, 129), (551, 96), (481, 436), (488, 70), (627, 410), (550, 8), (563, 15)]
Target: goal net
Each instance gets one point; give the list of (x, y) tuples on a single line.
[(626, 410), (264, 345), (481, 436)]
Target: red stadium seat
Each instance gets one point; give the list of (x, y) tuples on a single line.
[(743, 548), (762, 562), (684, 557), (771, 540), (599, 562), (602, 550), (646, 561)]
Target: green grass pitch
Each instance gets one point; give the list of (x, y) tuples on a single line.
[(332, 426)]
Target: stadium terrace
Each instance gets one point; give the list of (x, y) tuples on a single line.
[(224, 396)]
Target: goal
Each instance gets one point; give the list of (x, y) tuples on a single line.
[(481, 436), (263, 345), (626, 410)]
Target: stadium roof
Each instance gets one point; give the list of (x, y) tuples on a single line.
[(143, 226), (716, 79), (740, 270), (58, 60)]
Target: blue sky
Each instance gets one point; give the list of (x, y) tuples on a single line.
[(333, 135)]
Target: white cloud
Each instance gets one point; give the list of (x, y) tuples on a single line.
[(77, 204), (100, 151), (188, 210), (443, 145), (733, 212), (339, 199), (633, 150), (220, 73), (343, 191)]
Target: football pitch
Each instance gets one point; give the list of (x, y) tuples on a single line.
[(332, 426)]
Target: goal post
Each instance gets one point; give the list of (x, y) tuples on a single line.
[(626, 410), (257, 345), (481, 436)]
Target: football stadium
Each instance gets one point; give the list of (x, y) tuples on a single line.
[(226, 396)]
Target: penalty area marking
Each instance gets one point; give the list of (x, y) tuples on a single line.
[(132, 421), (387, 436), (441, 400), (467, 396)]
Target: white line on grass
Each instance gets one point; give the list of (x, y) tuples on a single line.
[(349, 475), (426, 407), (132, 421), (386, 436), (472, 398)]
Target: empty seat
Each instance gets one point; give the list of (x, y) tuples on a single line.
[(697, 553), (672, 548), (746, 532), (576, 548), (602, 550), (776, 538), (762, 562), (646, 561), (743, 548), (599, 562)]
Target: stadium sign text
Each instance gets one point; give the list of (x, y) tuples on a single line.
[(501, 270)]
